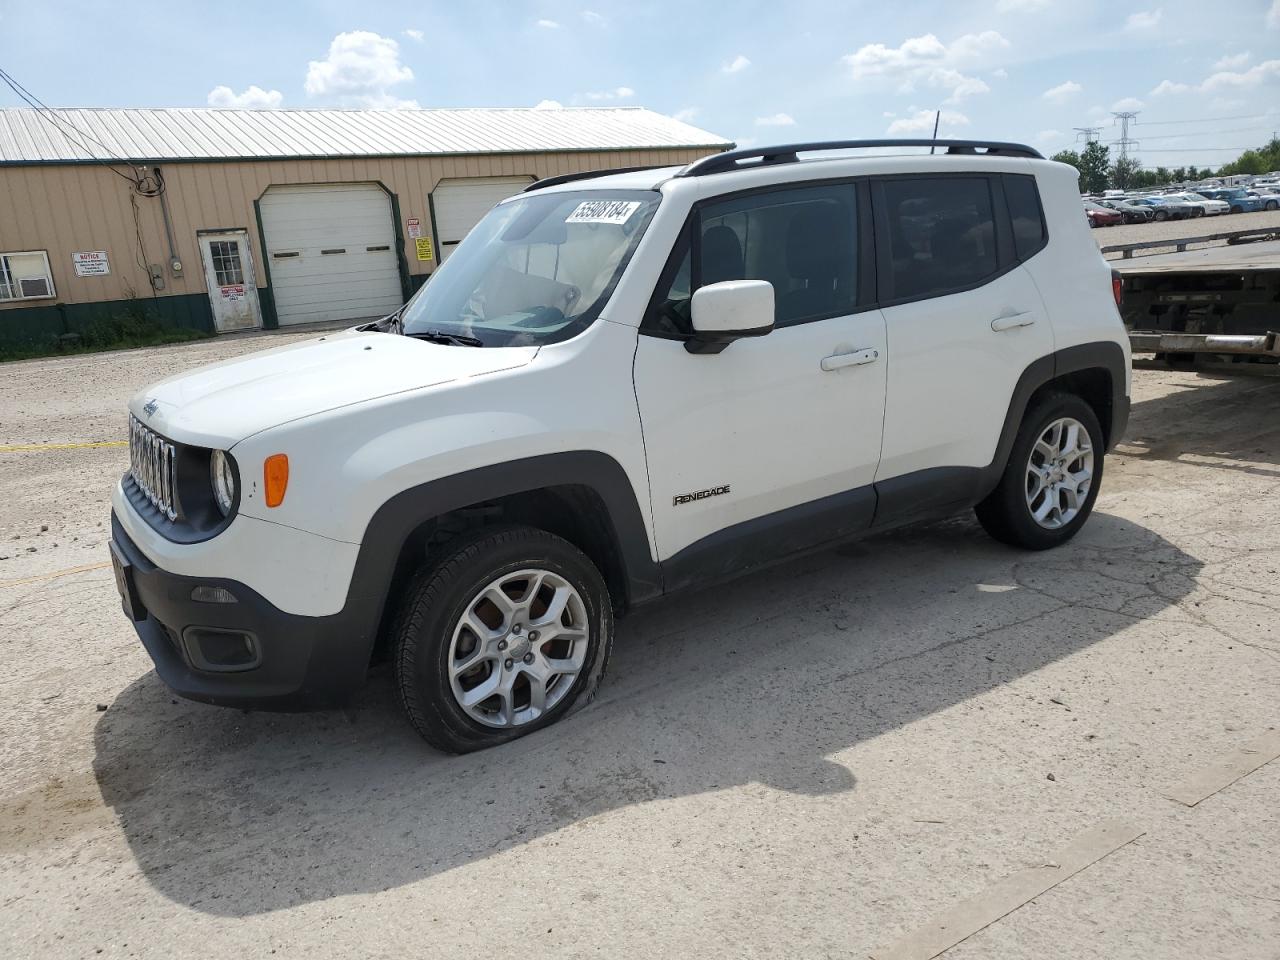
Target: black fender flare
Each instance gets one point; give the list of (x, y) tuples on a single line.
[(1103, 354), (394, 522)]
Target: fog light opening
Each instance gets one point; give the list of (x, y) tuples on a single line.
[(207, 594), (221, 651)]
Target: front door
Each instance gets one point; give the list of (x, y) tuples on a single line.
[(228, 272), (771, 445)]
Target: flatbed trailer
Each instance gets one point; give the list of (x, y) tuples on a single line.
[(1216, 302)]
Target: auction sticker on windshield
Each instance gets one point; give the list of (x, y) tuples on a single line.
[(603, 211)]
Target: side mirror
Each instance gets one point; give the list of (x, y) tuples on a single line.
[(724, 312)]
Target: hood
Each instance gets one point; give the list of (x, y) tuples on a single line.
[(222, 404)]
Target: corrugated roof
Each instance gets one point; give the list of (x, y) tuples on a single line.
[(70, 135)]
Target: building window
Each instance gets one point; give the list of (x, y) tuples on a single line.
[(226, 262), (25, 276)]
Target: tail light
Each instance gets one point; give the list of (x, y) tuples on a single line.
[(1117, 287)]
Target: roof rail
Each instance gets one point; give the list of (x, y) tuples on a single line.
[(585, 175), (787, 153)]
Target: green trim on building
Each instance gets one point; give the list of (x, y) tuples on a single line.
[(406, 281), (266, 294), (39, 327)]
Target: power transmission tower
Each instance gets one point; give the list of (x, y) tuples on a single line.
[(1088, 134), (1124, 118)]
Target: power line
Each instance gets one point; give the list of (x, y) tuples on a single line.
[(1089, 134), (1162, 123), (1125, 117)]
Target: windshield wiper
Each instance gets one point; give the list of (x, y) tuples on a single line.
[(439, 336)]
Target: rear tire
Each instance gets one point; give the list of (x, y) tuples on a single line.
[(481, 656), (1040, 503)]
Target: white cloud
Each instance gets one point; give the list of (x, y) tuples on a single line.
[(1233, 61), (921, 121), (359, 70), (1255, 76), (1048, 136), (927, 61), (1273, 15), (253, 98), (736, 65), (1000, 74), (687, 115), (1128, 103), (1021, 6), (415, 35), (1143, 19), (617, 93), (1062, 92), (592, 17), (776, 120), (1169, 86), (548, 105), (548, 24)]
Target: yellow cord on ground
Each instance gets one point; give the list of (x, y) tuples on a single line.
[(22, 447), (57, 573)]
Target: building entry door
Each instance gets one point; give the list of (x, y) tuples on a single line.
[(233, 288)]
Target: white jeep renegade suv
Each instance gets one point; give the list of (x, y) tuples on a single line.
[(619, 387)]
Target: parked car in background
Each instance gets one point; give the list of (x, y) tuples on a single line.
[(1238, 198), (1205, 206), (1132, 212), (1100, 216), (1164, 208), (1270, 197)]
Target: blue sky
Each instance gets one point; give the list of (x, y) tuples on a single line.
[(1202, 76)]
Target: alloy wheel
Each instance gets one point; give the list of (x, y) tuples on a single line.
[(518, 647), (1059, 473)]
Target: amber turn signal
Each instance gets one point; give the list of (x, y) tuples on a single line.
[(275, 478)]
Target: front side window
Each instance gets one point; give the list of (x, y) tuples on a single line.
[(942, 234), (535, 270), (25, 276), (802, 240)]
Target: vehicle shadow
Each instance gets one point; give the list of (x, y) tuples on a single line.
[(1216, 421), (760, 681)]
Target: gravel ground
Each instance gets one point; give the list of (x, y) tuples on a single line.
[(1177, 229), (810, 762)]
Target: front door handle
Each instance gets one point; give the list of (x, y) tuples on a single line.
[(1007, 321), (855, 359)]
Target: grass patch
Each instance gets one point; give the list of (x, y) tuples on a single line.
[(136, 326)]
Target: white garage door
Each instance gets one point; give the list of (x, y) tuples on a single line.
[(459, 204), (332, 251)]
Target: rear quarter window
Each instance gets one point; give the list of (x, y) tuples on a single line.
[(942, 234), (1025, 214)]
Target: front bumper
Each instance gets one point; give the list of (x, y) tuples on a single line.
[(299, 661)]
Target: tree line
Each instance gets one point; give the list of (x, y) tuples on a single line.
[(1098, 173)]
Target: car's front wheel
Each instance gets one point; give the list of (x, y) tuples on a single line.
[(503, 634), (1273, 205), (1161, 216), (1051, 480)]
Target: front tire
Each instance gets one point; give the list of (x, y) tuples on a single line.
[(502, 635), (1161, 216), (1051, 480)]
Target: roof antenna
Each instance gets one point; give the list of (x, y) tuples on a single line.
[(937, 117)]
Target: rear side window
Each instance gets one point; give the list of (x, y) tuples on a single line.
[(802, 240), (942, 234), (1023, 200)]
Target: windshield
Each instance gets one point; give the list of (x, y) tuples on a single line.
[(535, 270)]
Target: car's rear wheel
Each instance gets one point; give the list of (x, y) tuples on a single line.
[(502, 635), (1273, 205), (1051, 480)]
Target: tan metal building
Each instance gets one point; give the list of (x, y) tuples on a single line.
[(222, 220)]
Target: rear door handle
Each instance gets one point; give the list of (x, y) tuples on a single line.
[(855, 359), (1007, 321)]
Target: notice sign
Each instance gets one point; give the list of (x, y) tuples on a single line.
[(91, 263), (415, 228), (423, 246), (233, 291)]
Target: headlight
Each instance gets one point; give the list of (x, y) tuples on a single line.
[(223, 476)]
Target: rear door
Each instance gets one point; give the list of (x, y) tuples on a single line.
[(963, 318), (771, 445)]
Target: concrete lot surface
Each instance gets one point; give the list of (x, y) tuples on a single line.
[(815, 761), (1177, 229)]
